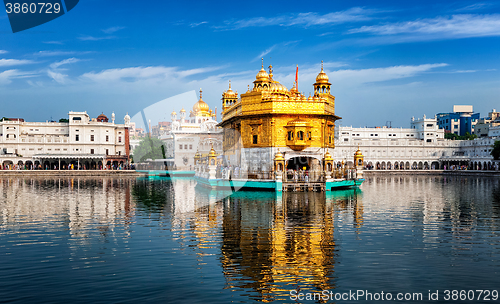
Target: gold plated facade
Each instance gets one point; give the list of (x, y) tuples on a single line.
[(269, 115)]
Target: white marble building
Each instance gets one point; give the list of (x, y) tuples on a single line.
[(196, 133), (422, 146), (81, 141)]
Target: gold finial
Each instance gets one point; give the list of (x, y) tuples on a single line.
[(262, 62), (200, 92), (321, 65), (248, 90), (230, 84)]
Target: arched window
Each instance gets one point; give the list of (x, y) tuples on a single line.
[(300, 135), (290, 135)]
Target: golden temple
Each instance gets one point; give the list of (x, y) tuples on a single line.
[(272, 119)]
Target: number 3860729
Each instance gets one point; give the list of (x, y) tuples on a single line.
[(32, 8)]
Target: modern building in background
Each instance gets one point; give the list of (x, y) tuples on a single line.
[(488, 126), (82, 142), (461, 121)]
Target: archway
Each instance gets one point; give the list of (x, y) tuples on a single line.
[(382, 166), (435, 165), (29, 165), (407, 166), (420, 165), (402, 166), (7, 164), (299, 163), (414, 166)]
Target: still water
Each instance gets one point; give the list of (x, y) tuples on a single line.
[(161, 240)]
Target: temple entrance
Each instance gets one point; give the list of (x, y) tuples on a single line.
[(303, 169), (299, 163)]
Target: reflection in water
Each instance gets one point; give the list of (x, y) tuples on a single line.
[(162, 239), (274, 244)]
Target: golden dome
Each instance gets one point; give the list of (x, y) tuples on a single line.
[(278, 156), (182, 110), (174, 113), (200, 106), (322, 77), (212, 152), (328, 156), (229, 93), (278, 87), (358, 153), (262, 74), (197, 155)]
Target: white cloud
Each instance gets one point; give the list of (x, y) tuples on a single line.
[(354, 14), (113, 29), (456, 26), (59, 53), (351, 77), (53, 42), (198, 23), (474, 7), (13, 62), (3, 52), (57, 64), (261, 55), (92, 38), (132, 74), (355, 77), (7, 76), (58, 77)]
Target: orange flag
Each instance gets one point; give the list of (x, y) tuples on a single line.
[(297, 78)]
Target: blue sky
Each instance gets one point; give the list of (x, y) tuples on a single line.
[(387, 60)]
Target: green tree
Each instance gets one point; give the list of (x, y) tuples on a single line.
[(149, 148), (63, 120), (495, 152), (452, 136)]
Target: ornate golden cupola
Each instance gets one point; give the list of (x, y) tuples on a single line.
[(298, 135), (201, 108), (229, 98), (262, 81), (322, 86)]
